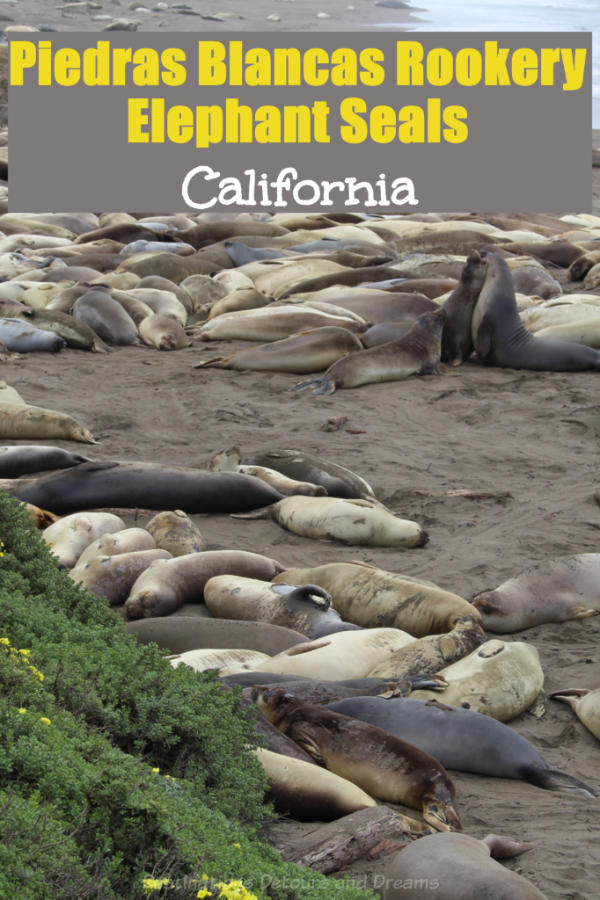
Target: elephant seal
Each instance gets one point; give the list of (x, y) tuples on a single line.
[(168, 584), (68, 538), (286, 486), (457, 342), (361, 686), (585, 704), (432, 653), (417, 353), (28, 458), (107, 318), (372, 597), (164, 332), (41, 517), (500, 338), (178, 634), (175, 532), (322, 693), (308, 792), (348, 521), (461, 739), (557, 591), (500, 680), (300, 354), (380, 763), (222, 660), (144, 486), (22, 337), (273, 323), (454, 866), (305, 609), (535, 280), (25, 421), (346, 654), (130, 540), (112, 577), (337, 480)]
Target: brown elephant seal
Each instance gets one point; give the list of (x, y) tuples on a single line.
[(461, 739), (112, 577), (129, 540), (164, 332), (308, 792), (339, 656), (372, 597), (107, 318), (500, 338), (286, 486), (381, 764), (320, 693), (585, 704), (417, 353), (25, 421), (168, 584), (175, 532), (432, 653), (454, 866), (498, 679), (363, 686), (457, 342), (357, 522), (300, 354), (41, 517), (305, 609), (557, 591), (430, 287), (178, 634), (336, 479), (273, 323), (68, 537), (537, 281), (144, 486), (29, 458)]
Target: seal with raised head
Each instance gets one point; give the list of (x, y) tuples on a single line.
[(372, 597), (457, 342), (434, 652), (461, 739), (380, 763), (454, 866), (348, 521), (501, 339), (416, 353), (585, 704), (305, 609), (557, 591)]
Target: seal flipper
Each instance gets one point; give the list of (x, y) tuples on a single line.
[(302, 385), (263, 513), (326, 385), (551, 779), (501, 847)]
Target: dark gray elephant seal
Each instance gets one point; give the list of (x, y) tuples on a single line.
[(457, 342), (463, 740), (417, 353), (94, 485), (107, 317), (178, 634), (325, 692), (337, 480), (500, 339), (23, 459), (366, 686), (451, 866)]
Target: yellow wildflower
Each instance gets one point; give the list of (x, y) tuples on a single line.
[(45, 720), (204, 877), (153, 884), (156, 770), (5, 641), (203, 893), (237, 846), (25, 652), (22, 710)]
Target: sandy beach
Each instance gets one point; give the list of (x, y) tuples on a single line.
[(531, 438)]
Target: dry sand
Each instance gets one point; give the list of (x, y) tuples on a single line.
[(534, 435)]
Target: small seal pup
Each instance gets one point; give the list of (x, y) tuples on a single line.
[(380, 763), (500, 338), (416, 353), (585, 704), (452, 866)]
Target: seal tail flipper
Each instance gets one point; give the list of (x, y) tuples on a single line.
[(302, 385), (218, 361), (554, 780), (570, 695), (263, 513), (501, 847)]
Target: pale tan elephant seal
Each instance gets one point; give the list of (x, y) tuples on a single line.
[(585, 704), (129, 540), (500, 680), (430, 654), (370, 597), (112, 577), (451, 866), (163, 331), (68, 538), (175, 532), (357, 522), (25, 421)]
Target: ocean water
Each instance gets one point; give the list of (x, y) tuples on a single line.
[(514, 15)]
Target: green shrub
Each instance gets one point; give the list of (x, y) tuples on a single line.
[(114, 767)]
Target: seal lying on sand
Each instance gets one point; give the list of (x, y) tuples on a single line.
[(416, 353), (585, 704), (23, 460), (500, 338), (461, 739), (455, 867), (380, 763)]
